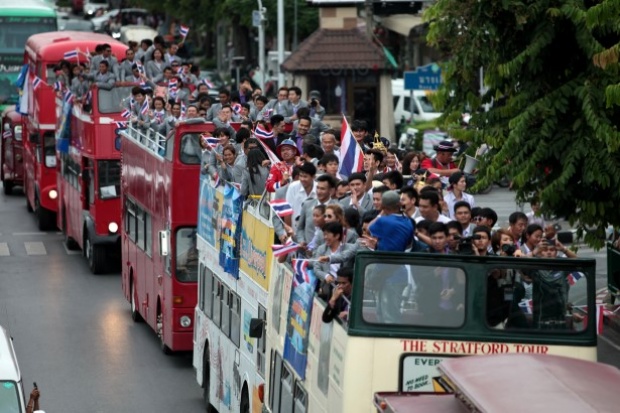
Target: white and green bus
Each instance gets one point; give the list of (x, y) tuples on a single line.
[(19, 19)]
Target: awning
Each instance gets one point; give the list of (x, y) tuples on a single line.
[(401, 23)]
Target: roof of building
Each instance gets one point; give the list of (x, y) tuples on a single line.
[(345, 49)]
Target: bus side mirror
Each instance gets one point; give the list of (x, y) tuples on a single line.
[(256, 327), (164, 244), (34, 138)]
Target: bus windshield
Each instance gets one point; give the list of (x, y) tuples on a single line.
[(109, 175), (186, 255), (109, 101), (9, 397)]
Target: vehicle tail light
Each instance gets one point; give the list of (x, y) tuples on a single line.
[(177, 299), (261, 393)]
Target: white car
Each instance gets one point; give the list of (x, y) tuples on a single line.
[(136, 33), (423, 109), (91, 7)]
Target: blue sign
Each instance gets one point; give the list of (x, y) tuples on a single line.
[(424, 78), (230, 234), (208, 211)]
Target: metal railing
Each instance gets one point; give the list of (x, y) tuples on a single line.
[(153, 141)]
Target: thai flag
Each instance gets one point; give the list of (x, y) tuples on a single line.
[(183, 110), (210, 140), (89, 97), (58, 86), (6, 134), (183, 31), (301, 276), (121, 125), (73, 54), (351, 154), (526, 306), (37, 82), (67, 97), (267, 113), (216, 180), (283, 249), (573, 277), (262, 133), (126, 114), (236, 107), (281, 207), (208, 83), (145, 107), (272, 156)]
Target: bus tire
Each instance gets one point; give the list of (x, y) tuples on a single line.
[(45, 218), (8, 187), (160, 332), (244, 407), (70, 243), (206, 379), (135, 313), (95, 254)]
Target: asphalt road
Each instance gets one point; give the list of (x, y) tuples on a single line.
[(74, 337)]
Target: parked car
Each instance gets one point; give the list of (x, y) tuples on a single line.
[(128, 16), (423, 109), (136, 33), (76, 25)]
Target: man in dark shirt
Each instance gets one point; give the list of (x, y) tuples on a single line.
[(338, 305)]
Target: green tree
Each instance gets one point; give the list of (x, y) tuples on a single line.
[(551, 77)]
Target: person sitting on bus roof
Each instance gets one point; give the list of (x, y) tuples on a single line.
[(223, 119), (279, 174), (104, 79), (137, 118), (228, 170), (338, 304), (172, 120), (216, 154), (254, 174), (79, 83), (214, 110), (158, 113), (282, 230), (135, 76), (125, 68)]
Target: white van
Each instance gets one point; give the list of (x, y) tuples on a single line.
[(423, 109), (11, 389)]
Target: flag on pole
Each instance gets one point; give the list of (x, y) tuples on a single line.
[(573, 277), (121, 125), (351, 154), (183, 31), (67, 97), (37, 82), (272, 156), (301, 276), (126, 114), (145, 107), (208, 83), (526, 306), (72, 54), (183, 110), (211, 141), (281, 207), (236, 107), (283, 249), (89, 98), (6, 134), (58, 86)]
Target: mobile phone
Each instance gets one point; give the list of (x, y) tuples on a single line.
[(34, 383)]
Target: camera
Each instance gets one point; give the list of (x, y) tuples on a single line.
[(314, 102), (509, 249), (465, 246)]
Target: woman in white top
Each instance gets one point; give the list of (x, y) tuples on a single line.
[(456, 192)]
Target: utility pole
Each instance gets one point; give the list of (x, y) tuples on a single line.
[(280, 42), (368, 12), (261, 45), (294, 26)]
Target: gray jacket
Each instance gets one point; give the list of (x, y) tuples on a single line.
[(257, 187), (305, 225), (366, 204), (345, 257)]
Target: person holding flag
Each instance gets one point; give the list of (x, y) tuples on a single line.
[(281, 172), (140, 109), (351, 152)]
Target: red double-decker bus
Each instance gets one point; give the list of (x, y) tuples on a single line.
[(89, 176), (42, 54), (11, 154), (159, 194)]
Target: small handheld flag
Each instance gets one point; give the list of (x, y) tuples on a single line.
[(37, 82), (6, 134), (67, 97), (209, 140), (121, 125), (183, 110), (301, 276), (72, 54), (145, 107), (236, 107), (351, 154), (126, 114), (208, 83), (262, 133), (58, 86), (281, 207), (183, 31), (283, 249), (574, 277), (526, 306)]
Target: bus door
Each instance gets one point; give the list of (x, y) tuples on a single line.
[(12, 157), (87, 192)]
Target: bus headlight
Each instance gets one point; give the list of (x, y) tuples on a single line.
[(113, 227), (185, 321), (53, 194)]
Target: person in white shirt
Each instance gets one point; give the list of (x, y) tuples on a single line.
[(456, 193), (462, 215), (302, 189), (429, 207)]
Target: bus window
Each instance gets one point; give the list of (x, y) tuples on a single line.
[(274, 383), (148, 234), (109, 176), (536, 299), (260, 343), (49, 149), (301, 398), (427, 295), (186, 255), (9, 397), (225, 299), (108, 100), (207, 305), (217, 308), (131, 221), (190, 151), (235, 318), (286, 391)]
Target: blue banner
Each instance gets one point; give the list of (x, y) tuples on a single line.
[(207, 211), (230, 234), (299, 317), (63, 134)]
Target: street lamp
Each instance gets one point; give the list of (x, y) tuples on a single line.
[(261, 44), (280, 42)]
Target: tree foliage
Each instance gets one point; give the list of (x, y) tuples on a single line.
[(551, 75)]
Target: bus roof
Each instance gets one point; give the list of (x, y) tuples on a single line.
[(54, 44), (529, 380), (26, 8), (8, 361)]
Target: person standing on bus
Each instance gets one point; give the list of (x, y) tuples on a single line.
[(104, 79), (338, 305)]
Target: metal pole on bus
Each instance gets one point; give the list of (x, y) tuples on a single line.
[(280, 42)]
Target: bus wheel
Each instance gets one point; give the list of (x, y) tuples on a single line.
[(206, 380), (8, 187), (160, 333), (245, 403), (45, 218), (95, 254), (135, 314)]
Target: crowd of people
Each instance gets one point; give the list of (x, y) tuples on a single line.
[(400, 201)]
